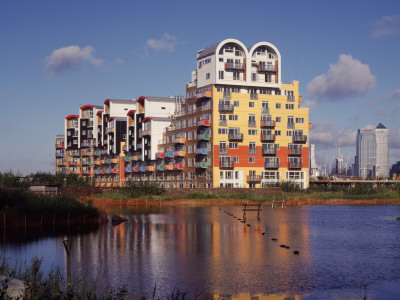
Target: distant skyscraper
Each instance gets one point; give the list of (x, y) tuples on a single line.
[(372, 157)]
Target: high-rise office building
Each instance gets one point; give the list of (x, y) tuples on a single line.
[(372, 152)]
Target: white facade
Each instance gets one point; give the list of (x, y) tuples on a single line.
[(382, 152)]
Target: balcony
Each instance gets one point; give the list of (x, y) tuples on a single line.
[(169, 154), (139, 146), (299, 138), (108, 171), (58, 155), (235, 136), (267, 123), (97, 171), (97, 162), (226, 108), (201, 165), (205, 123), (86, 144), (265, 110), (169, 167), (124, 148), (223, 123), (295, 165), (201, 151), (290, 125), (253, 96), (86, 162), (271, 165), (269, 151), (235, 66), (76, 153), (290, 98), (109, 130), (223, 150), (72, 163), (146, 132), (142, 169), (203, 137), (149, 168), (127, 158), (204, 95), (266, 68), (160, 167), (268, 137), (60, 146), (135, 169), (159, 155), (252, 123), (227, 95), (96, 153), (178, 166), (295, 151), (253, 178), (179, 154), (114, 171), (179, 140), (128, 170), (226, 164), (252, 151)]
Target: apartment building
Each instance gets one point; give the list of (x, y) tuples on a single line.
[(239, 126)]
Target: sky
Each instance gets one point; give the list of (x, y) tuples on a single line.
[(56, 56)]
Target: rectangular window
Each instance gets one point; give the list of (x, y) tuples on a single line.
[(233, 146), (251, 104), (236, 159), (289, 106), (299, 120), (252, 131), (221, 75), (277, 132), (233, 117), (236, 75), (222, 130), (289, 133), (252, 159), (236, 103), (278, 119), (207, 75), (278, 106)]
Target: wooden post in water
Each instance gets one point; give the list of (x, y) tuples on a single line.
[(68, 247)]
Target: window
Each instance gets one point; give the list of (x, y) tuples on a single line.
[(236, 75), (233, 146), (289, 133), (278, 119), (278, 92), (254, 76), (236, 103), (263, 91), (252, 131), (222, 130), (252, 159), (233, 117), (221, 75), (299, 120), (289, 106), (251, 104), (278, 106), (221, 59), (277, 132), (235, 90), (236, 159)]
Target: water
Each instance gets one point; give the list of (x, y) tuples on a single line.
[(342, 248)]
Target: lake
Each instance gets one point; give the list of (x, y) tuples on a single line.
[(344, 252)]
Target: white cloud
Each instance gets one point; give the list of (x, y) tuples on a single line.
[(387, 26), (119, 61), (347, 77), (63, 59), (395, 95), (310, 104), (324, 135), (166, 43)]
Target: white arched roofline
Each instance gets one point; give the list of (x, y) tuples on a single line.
[(254, 47), (224, 42)]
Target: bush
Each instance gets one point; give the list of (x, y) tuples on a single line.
[(142, 188)]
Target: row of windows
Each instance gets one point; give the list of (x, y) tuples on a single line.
[(255, 91)]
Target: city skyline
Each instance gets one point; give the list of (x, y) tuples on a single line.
[(56, 57)]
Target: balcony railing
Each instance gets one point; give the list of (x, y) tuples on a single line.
[(204, 95), (160, 167), (205, 123), (253, 178), (201, 151), (226, 164), (269, 151), (266, 68), (290, 98), (179, 140), (139, 146), (203, 137), (235, 136), (223, 150), (146, 132), (253, 96), (202, 165), (159, 155), (295, 165), (128, 170), (252, 123), (234, 66), (127, 158), (265, 110), (149, 168), (295, 151), (179, 153), (226, 107), (178, 166), (169, 167), (252, 151), (59, 146), (169, 154), (271, 165), (299, 138), (268, 137), (109, 130), (267, 123), (223, 123), (290, 125)]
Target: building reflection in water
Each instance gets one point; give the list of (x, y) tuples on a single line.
[(201, 249)]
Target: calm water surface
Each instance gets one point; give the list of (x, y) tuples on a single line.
[(342, 248)]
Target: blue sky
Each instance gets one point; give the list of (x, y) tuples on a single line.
[(58, 55)]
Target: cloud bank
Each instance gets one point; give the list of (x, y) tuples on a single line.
[(66, 58), (346, 78), (387, 26), (324, 135), (166, 43)]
